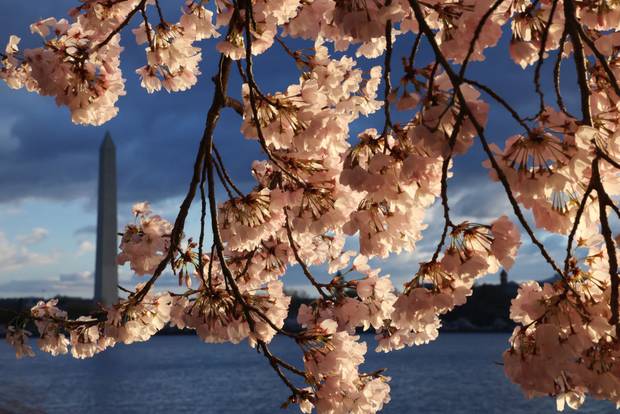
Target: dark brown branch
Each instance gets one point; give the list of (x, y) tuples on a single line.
[(210, 271), (219, 160), (556, 75), (477, 33), (120, 27), (147, 27), (601, 58), (614, 208), (501, 101), (414, 49), (387, 71), (302, 264), (248, 262), (607, 158), (203, 213), (541, 58), (613, 263), (219, 249), (220, 174), (219, 102), (249, 76), (444, 185), (295, 55), (573, 232), (577, 34), (160, 13), (234, 104), (603, 202), (204, 149), (572, 26), (276, 368), (288, 366)]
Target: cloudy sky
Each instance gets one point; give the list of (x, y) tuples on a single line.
[(48, 167)]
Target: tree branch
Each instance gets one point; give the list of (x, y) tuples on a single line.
[(301, 262), (456, 82), (572, 26), (387, 71), (205, 148), (603, 201), (541, 58)]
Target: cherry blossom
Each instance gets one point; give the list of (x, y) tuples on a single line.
[(354, 166), (144, 243), (18, 339)]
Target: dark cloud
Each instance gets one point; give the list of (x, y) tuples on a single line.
[(43, 155)]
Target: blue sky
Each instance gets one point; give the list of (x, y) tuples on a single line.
[(48, 167)]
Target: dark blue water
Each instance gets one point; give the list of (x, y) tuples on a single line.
[(179, 374)]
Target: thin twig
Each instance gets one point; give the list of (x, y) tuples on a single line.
[(580, 60), (414, 49), (207, 137), (501, 101), (203, 213), (556, 75), (387, 71), (160, 13), (607, 158), (226, 175), (302, 264), (601, 58), (444, 184), (541, 58), (220, 174), (147, 27), (477, 33), (603, 201), (573, 232), (254, 88), (120, 27)]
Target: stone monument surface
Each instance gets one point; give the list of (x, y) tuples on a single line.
[(106, 269)]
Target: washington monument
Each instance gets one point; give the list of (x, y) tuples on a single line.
[(106, 270)]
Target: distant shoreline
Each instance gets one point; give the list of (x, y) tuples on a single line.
[(486, 311)]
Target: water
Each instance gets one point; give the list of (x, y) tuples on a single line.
[(180, 374)]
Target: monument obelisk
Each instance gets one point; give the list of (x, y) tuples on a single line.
[(106, 270)]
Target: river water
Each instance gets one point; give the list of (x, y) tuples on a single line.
[(458, 373)]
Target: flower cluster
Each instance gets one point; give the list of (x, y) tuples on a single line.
[(128, 321), (398, 184), (332, 361), (73, 67), (474, 251), (18, 339), (546, 170), (218, 317), (531, 26), (145, 243), (358, 303), (565, 345), (47, 318), (172, 58)]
